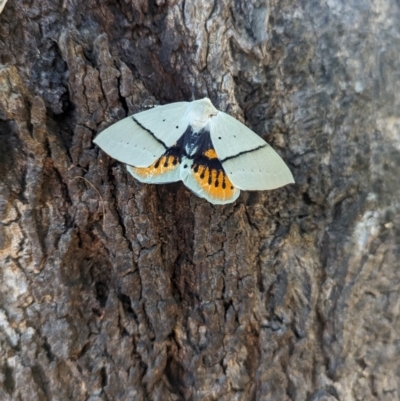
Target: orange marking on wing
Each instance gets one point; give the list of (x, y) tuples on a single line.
[(215, 183), (210, 154), (161, 166)]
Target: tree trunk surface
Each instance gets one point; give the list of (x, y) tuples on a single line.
[(115, 290)]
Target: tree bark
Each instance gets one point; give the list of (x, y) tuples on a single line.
[(115, 290)]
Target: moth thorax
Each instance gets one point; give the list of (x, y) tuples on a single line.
[(192, 142), (200, 112), (191, 149), (198, 125)]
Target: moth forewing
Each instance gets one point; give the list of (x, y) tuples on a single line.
[(230, 137), (166, 123), (247, 159), (129, 143), (261, 169)]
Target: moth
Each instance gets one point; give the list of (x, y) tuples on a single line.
[(214, 154)]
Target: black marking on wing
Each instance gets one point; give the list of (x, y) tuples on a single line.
[(203, 145), (212, 164), (242, 153), (174, 151), (194, 145), (189, 141), (151, 133)]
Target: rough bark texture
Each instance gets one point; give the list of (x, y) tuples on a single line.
[(292, 294)]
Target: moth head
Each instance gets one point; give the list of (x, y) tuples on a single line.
[(200, 112)]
